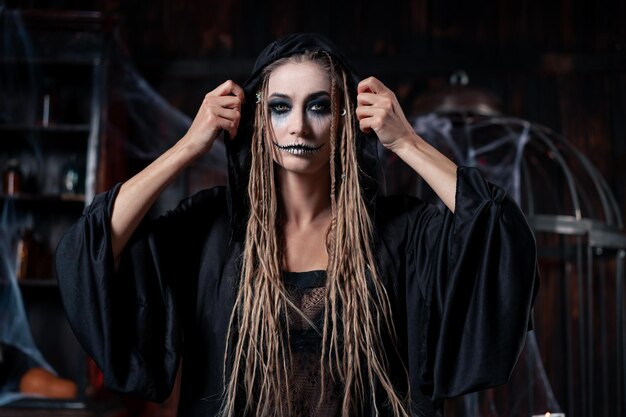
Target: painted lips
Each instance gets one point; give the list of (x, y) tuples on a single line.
[(299, 148)]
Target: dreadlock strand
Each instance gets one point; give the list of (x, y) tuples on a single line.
[(357, 311)]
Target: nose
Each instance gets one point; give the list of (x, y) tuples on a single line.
[(298, 125)]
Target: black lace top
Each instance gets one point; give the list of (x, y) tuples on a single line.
[(307, 291)]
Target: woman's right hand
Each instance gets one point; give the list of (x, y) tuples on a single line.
[(220, 109)]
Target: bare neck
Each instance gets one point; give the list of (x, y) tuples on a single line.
[(305, 198)]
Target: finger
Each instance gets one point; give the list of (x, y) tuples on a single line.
[(367, 124), (228, 125), (238, 92), (228, 114), (371, 85), (371, 99), (227, 88), (230, 102), (233, 132), (235, 90), (381, 112), (365, 99), (368, 111)]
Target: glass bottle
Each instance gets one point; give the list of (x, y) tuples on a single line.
[(12, 178), (71, 180)]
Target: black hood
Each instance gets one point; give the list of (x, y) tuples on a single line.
[(238, 150)]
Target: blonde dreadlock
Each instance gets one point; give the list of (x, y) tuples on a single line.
[(357, 309)]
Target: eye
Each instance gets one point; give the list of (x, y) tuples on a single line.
[(279, 107), (322, 106)]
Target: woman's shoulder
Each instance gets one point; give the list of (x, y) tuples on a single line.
[(401, 205), (401, 213), (209, 200), (213, 195), (204, 198)]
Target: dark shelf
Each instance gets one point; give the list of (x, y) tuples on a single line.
[(63, 60), (47, 404), (46, 204), (70, 20), (50, 198), (39, 407), (53, 128), (70, 56), (45, 412), (58, 136)]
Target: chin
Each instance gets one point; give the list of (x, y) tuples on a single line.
[(302, 166)]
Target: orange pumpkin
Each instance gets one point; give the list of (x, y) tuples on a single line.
[(39, 381)]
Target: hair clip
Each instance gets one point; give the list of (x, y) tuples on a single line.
[(258, 97), (343, 112)]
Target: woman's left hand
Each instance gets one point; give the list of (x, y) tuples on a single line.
[(378, 109)]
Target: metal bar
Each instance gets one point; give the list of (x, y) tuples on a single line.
[(581, 328), (530, 198), (606, 238), (564, 225), (566, 171), (600, 235), (616, 209), (590, 329), (604, 346), (620, 331), (530, 377), (595, 177), (569, 356), (608, 200)]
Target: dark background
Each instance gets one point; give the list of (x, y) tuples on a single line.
[(558, 63)]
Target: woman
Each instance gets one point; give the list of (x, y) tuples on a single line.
[(296, 290)]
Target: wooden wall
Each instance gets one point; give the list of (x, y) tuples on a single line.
[(558, 63)]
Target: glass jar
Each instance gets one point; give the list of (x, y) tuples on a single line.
[(71, 179), (12, 178)]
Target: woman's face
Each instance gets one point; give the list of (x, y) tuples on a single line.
[(298, 100)]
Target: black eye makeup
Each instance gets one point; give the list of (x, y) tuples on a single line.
[(279, 106), (320, 105), (317, 103)]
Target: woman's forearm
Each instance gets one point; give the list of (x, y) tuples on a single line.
[(378, 109), (435, 168), (137, 195), (220, 110)]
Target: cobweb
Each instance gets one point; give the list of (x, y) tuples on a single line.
[(150, 127), (17, 348), (18, 351), (155, 126)]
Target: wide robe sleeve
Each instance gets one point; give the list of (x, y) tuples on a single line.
[(128, 319), (471, 280)]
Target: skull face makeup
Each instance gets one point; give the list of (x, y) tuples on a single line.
[(299, 108)]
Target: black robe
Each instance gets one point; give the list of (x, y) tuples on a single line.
[(461, 286)]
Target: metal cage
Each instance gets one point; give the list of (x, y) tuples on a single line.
[(579, 314)]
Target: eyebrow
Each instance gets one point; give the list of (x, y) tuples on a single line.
[(309, 97)]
